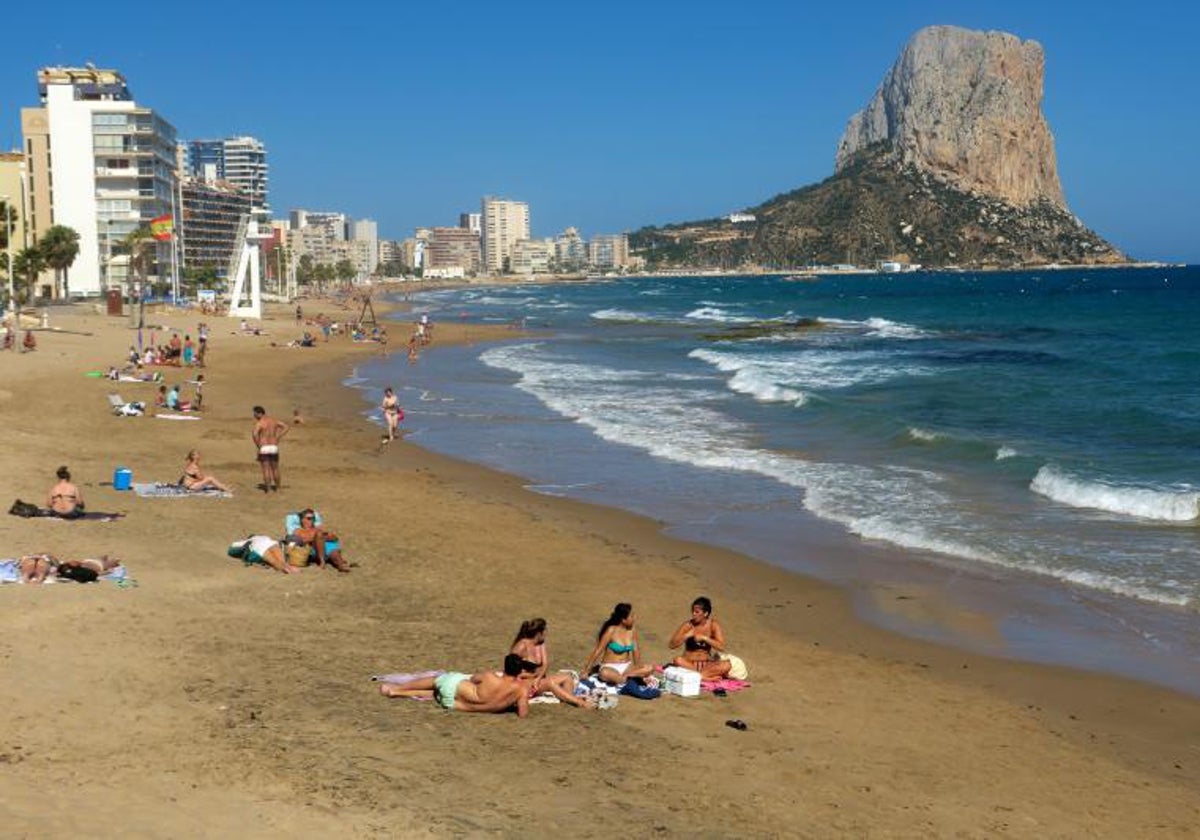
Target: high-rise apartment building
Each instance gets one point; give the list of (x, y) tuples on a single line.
[(99, 163), (240, 161), (532, 256), (367, 232), (451, 247), (504, 224), (570, 251), (608, 251), (472, 222), (209, 223)]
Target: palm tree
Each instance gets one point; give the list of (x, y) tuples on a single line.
[(27, 265), (60, 244), (143, 248)]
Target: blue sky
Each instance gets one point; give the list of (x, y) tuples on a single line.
[(609, 117)]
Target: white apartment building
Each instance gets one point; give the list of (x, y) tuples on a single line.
[(532, 256), (99, 163), (239, 161), (570, 250), (504, 224), (367, 232)]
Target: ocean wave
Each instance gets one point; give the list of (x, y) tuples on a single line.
[(620, 315), (884, 328), (716, 313), (924, 435), (1006, 452), (1142, 502), (813, 368)]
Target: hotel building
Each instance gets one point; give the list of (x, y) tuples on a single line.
[(504, 224), (99, 163), (240, 161), (209, 222), (451, 247)]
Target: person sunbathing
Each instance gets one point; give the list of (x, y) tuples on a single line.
[(530, 645), (34, 568), (65, 499), (194, 479), (703, 640), (617, 656), (324, 543), (263, 550), (486, 691)]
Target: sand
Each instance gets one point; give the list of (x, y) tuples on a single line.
[(218, 700)]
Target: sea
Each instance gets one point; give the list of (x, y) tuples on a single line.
[(1025, 445)]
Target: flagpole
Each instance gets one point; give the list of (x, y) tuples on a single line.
[(174, 248)]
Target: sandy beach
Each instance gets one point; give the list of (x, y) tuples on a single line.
[(217, 700)]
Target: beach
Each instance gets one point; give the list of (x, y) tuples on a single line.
[(213, 699)]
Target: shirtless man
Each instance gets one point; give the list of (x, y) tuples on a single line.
[(487, 691), (266, 436), (65, 499)]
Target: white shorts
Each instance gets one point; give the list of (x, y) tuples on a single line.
[(268, 449)]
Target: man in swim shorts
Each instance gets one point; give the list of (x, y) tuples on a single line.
[(486, 691), (266, 436)]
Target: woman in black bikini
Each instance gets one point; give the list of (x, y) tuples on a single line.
[(194, 479), (703, 640), (65, 499)]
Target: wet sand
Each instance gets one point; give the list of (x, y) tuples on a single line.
[(218, 700)]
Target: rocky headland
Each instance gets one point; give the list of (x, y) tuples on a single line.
[(951, 163)]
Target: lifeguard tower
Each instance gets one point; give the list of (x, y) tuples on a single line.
[(245, 298)]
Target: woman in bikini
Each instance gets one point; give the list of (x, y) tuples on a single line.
[(35, 568), (324, 543), (617, 656), (65, 499), (392, 412), (703, 640), (194, 479), (530, 645)]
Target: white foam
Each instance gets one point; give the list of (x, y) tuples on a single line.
[(1143, 502), (619, 315), (884, 328), (812, 369), (716, 313), (1006, 452), (924, 435)]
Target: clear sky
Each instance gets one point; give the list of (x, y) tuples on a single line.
[(613, 116)]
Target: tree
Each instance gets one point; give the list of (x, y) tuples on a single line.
[(142, 247), (344, 271), (60, 245), (27, 265), (6, 231)]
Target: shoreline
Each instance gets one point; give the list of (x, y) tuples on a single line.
[(217, 699)]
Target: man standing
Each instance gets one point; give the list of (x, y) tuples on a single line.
[(266, 436)]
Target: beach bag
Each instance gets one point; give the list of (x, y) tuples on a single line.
[(25, 509), (298, 555), (238, 549), (637, 688), (737, 668)]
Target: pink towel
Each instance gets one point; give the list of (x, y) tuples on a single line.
[(729, 685)]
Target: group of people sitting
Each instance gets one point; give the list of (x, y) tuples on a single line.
[(172, 398), (616, 659), (307, 541)]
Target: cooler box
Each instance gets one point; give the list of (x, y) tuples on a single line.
[(122, 479), (682, 682)]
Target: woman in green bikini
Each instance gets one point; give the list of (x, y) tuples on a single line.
[(616, 655)]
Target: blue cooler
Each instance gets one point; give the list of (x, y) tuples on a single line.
[(122, 479)]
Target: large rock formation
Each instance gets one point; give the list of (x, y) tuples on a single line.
[(951, 164), (965, 106)]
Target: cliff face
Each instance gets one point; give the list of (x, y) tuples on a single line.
[(951, 163), (966, 107)]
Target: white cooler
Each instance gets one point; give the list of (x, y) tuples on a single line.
[(682, 682)]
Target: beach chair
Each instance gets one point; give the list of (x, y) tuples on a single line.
[(292, 521)]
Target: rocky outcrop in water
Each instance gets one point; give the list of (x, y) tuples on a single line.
[(966, 107)]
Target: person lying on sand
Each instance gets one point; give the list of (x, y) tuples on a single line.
[(486, 691), (530, 645), (65, 499), (194, 478), (617, 656), (34, 568), (703, 639), (263, 550)]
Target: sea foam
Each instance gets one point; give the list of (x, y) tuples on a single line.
[(1143, 502)]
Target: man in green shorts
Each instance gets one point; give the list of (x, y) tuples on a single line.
[(486, 691)]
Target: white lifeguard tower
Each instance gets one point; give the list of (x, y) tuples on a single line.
[(246, 302)]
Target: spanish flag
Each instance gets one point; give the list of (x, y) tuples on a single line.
[(162, 227)]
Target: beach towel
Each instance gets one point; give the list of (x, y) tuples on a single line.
[(401, 679), (90, 516), (162, 490), (176, 417), (10, 574), (727, 685)]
